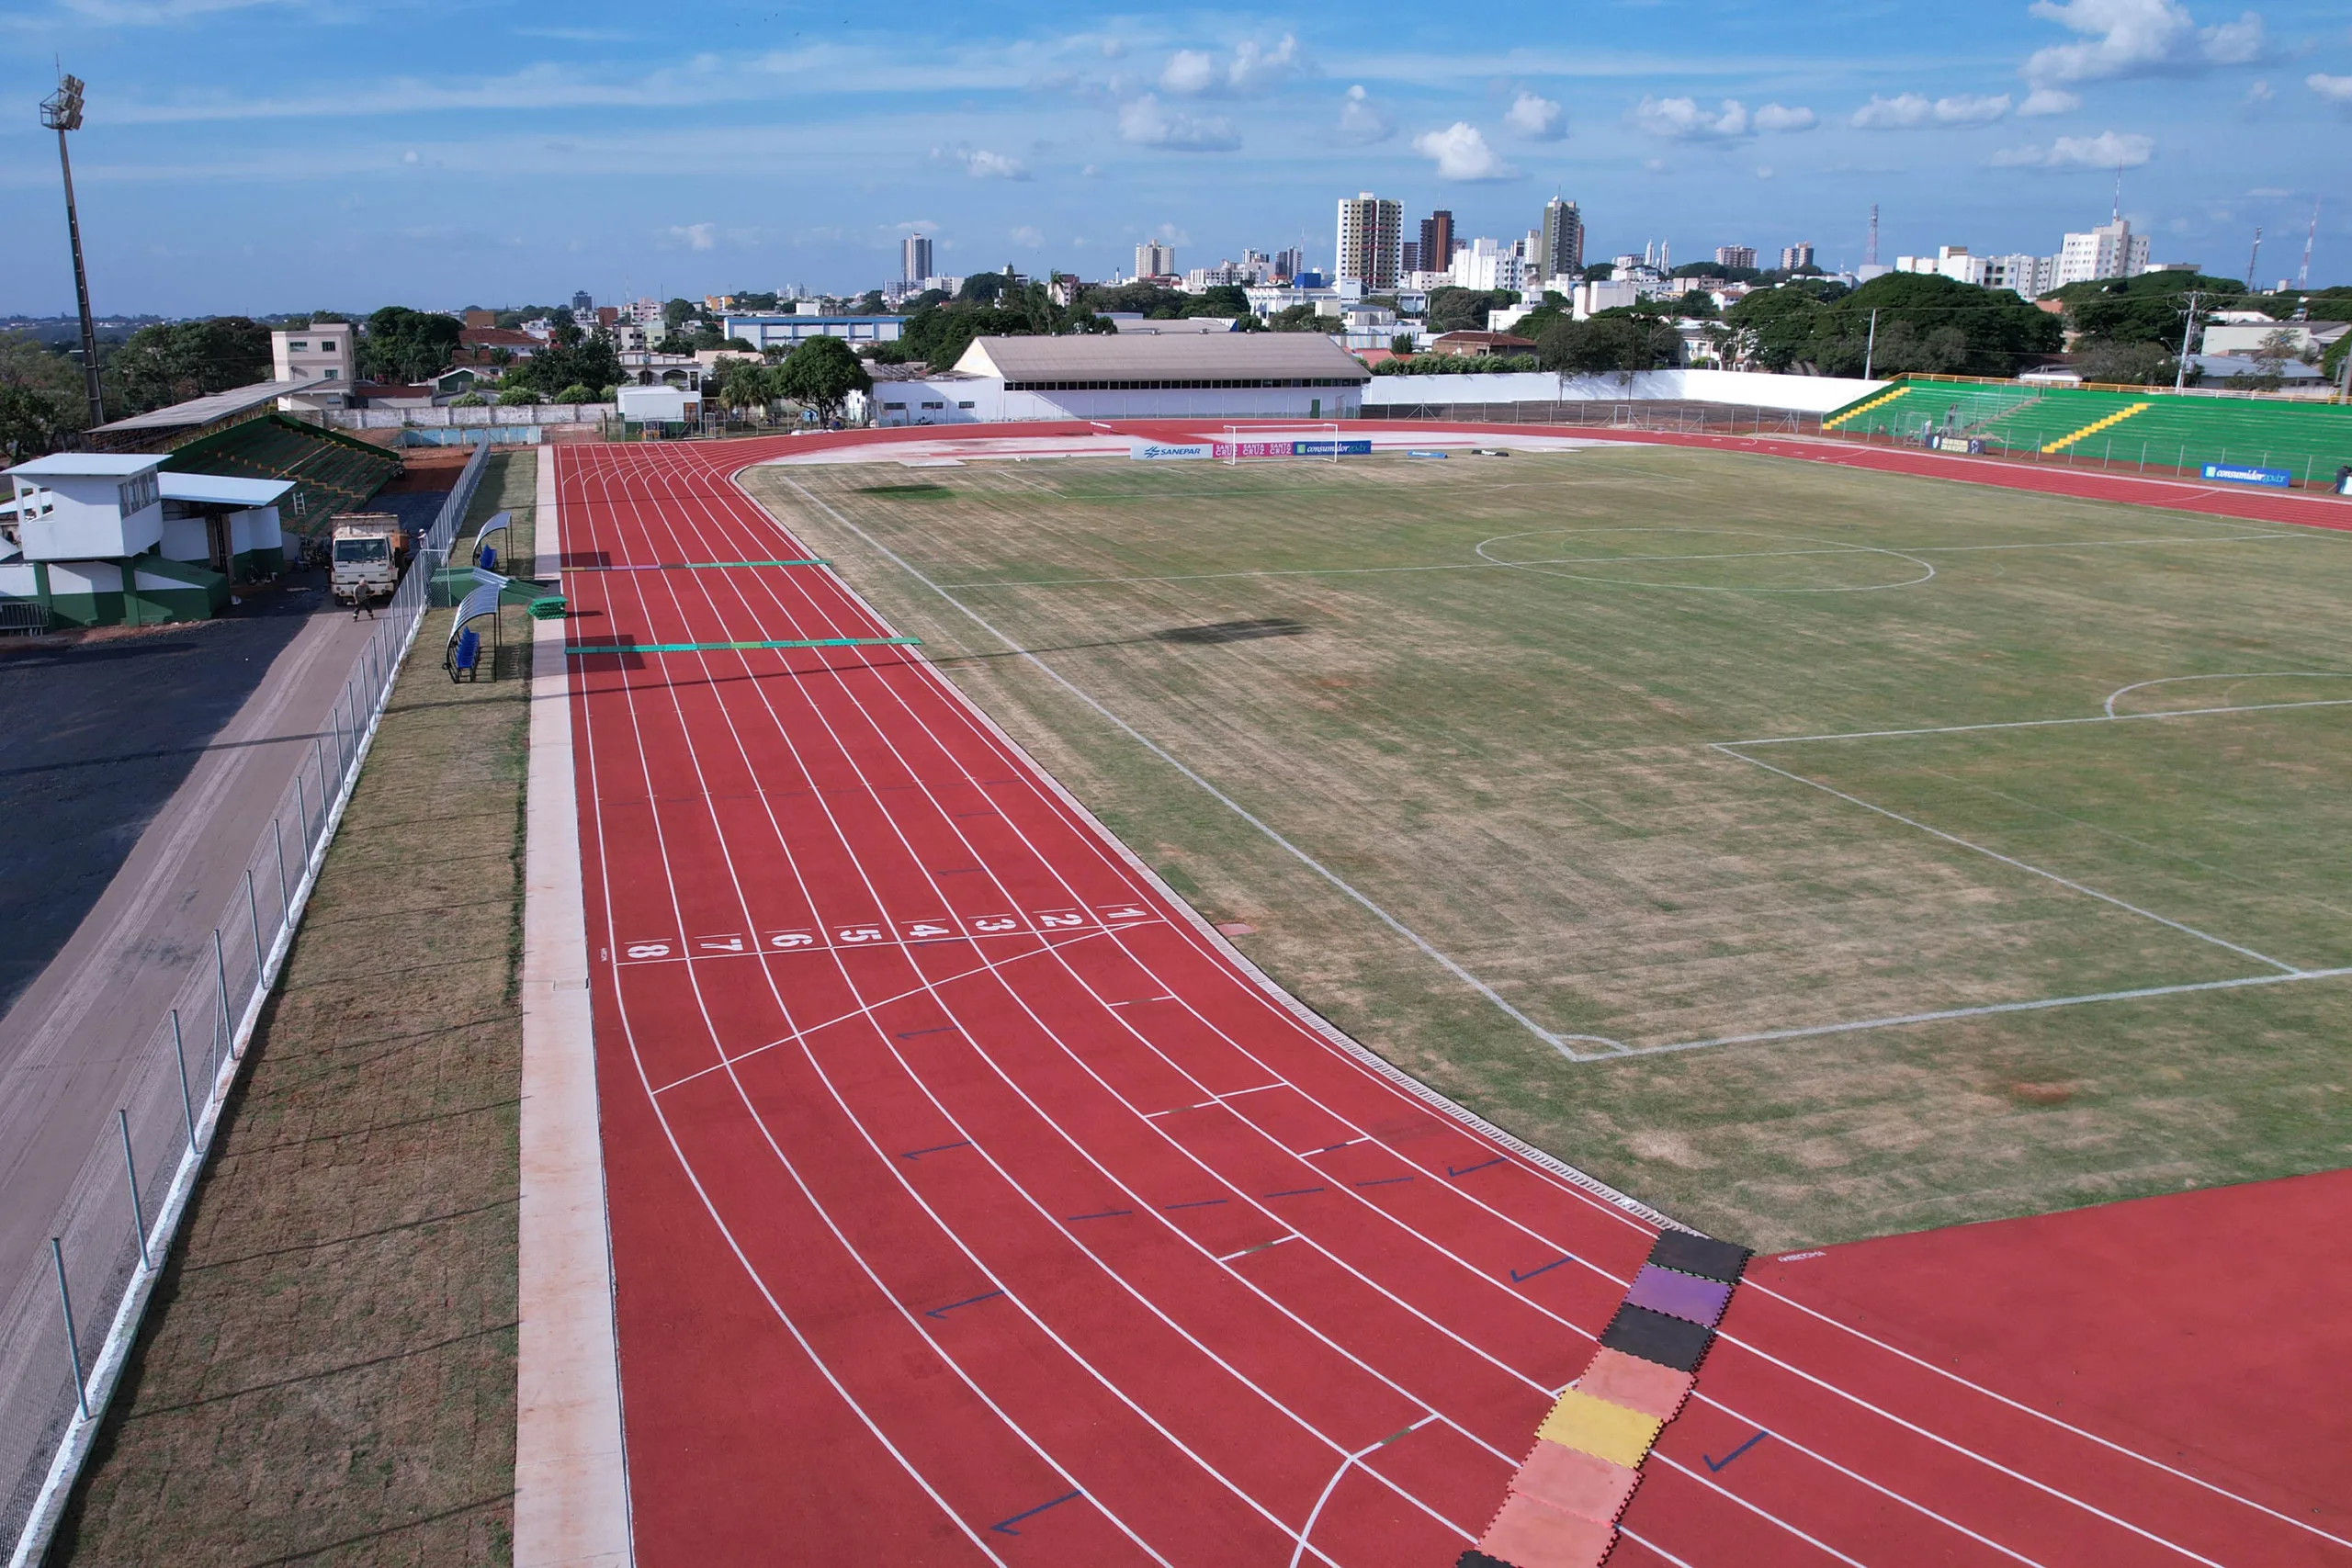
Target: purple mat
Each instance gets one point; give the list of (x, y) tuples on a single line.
[(1679, 1295)]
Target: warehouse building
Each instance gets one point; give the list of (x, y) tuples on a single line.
[(1134, 376)]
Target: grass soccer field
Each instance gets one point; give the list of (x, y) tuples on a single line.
[(1813, 854)]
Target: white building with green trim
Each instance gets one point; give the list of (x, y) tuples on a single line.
[(104, 538)]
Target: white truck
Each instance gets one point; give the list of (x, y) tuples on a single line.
[(369, 550)]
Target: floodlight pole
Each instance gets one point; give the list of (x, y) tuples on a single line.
[(1870, 349), (2181, 366), (61, 112)]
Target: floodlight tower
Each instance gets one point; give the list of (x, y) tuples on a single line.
[(61, 112)]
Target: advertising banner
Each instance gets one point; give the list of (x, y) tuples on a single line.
[(1360, 448), (1170, 451), (1231, 449), (2239, 474)]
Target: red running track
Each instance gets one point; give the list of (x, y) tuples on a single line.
[(971, 1203)]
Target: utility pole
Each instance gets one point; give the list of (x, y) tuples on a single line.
[(61, 112), (2181, 366)]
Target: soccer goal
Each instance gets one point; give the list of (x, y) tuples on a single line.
[(1321, 440)]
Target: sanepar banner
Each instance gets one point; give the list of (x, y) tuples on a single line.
[(2236, 474)]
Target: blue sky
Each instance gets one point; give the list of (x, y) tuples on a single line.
[(284, 154)]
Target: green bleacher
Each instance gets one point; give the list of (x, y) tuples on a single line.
[(2154, 428), (332, 472)]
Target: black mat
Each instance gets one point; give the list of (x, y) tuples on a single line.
[(1654, 1336), (1702, 1256), (1474, 1557)]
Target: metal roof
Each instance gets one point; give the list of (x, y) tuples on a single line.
[(87, 465), (220, 405), (222, 489), (1194, 357)]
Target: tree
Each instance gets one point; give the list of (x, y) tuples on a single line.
[(1465, 310), (518, 397), (1223, 300), (1613, 342), (821, 374), (678, 312), (2270, 357), (576, 394), (570, 360), (1401, 345), (179, 360), (42, 398), (2126, 364), (405, 345)]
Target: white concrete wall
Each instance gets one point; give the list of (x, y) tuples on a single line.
[(186, 538), (447, 416), (87, 576), (17, 580), (991, 403), (1799, 394), (255, 528), (88, 521)]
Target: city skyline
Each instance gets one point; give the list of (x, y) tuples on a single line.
[(771, 148)]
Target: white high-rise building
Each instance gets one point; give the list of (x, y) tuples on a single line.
[(1796, 255), (1370, 240), (914, 258), (1736, 256), (1154, 259), (2111, 249), (1488, 263)]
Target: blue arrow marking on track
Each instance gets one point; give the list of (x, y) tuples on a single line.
[(1006, 1525), (1294, 1192), (1195, 1203), (1106, 1215), (968, 1301), (1384, 1181), (1734, 1453), (1516, 1277), (937, 1149), (1468, 1169)]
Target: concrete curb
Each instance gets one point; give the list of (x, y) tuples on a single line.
[(570, 1471)]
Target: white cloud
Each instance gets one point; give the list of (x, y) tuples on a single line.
[(983, 165), (1362, 120), (1781, 116), (694, 236), (1028, 237), (1683, 119), (1461, 152), (1147, 122), (2138, 37), (1535, 119), (1909, 111), (1763, 171), (2108, 150), (2337, 87), (1187, 71), (1254, 68), (408, 156), (2048, 100)]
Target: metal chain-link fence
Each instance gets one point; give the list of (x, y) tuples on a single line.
[(70, 1314)]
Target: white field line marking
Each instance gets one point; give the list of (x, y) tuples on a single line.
[(1316, 867), (2037, 723), (1652, 1547), (1337, 1475), (1713, 1486), (2037, 1004), (948, 1232), (2055, 1421), (2021, 865), (1586, 1264), (1542, 568), (1439, 1248), (1260, 1246), (2257, 675)]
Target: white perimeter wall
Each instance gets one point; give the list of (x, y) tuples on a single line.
[(1799, 394), (991, 403)]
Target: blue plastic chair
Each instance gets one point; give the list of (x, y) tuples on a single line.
[(467, 658)]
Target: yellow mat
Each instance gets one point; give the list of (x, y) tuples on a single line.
[(1600, 1429)]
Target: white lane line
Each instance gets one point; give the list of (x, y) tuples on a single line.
[(1257, 1246), (1712, 1486), (1337, 1475), (2036, 723), (628, 1035), (2012, 861), (948, 1232)]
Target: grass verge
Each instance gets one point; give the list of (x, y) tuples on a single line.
[(326, 1372)]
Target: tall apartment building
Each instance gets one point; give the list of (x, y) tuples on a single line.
[(322, 349), (2111, 249), (1796, 255), (2031, 276), (1736, 256), (1437, 243), (1154, 259), (1370, 239), (1488, 263), (914, 258), (582, 303), (1290, 263), (1559, 244)]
